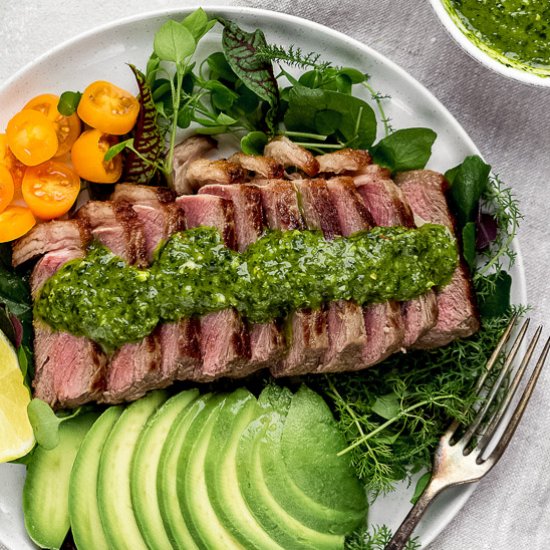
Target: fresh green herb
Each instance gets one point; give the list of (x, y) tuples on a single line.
[(407, 149), (253, 143), (421, 485), (68, 103), (240, 49), (469, 244), (117, 149), (495, 302), (45, 423), (375, 538)]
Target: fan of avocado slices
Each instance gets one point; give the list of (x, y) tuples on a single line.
[(269, 466)]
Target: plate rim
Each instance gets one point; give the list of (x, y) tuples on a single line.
[(520, 288)]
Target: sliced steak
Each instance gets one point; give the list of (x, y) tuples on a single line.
[(388, 207), (116, 226), (225, 345), (308, 340), (266, 340), (458, 317), (155, 211), (49, 237), (344, 161), (186, 152), (383, 324), (346, 326), (203, 172), (258, 166), (68, 369), (135, 368), (287, 153)]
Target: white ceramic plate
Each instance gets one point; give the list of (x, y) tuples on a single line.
[(103, 54)]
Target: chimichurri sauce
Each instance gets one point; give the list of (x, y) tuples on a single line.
[(518, 29), (193, 273)]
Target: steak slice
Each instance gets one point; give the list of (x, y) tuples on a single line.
[(344, 161), (308, 328), (388, 207), (203, 172), (134, 368), (258, 166), (458, 317), (266, 339), (49, 237), (225, 346), (154, 209), (287, 153), (116, 226), (185, 153), (382, 322), (347, 336), (68, 369)]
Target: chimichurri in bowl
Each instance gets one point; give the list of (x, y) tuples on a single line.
[(511, 37)]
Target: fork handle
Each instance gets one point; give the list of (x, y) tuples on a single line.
[(403, 534)]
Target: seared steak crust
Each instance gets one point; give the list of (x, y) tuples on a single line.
[(345, 161), (286, 152), (185, 153)]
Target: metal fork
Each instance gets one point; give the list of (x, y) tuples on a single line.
[(461, 457)]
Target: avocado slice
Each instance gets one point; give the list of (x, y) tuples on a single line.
[(307, 461), (145, 464), (167, 483), (282, 527), (205, 527), (309, 446), (220, 472), (46, 489), (113, 484), (83, 510)]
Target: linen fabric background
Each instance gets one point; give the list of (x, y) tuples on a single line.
[(509, 122)]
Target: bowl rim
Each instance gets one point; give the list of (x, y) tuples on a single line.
[(482, 56)]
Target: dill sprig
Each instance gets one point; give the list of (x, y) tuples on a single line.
[(293, 57), (376, 538)]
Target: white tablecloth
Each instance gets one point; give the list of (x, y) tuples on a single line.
[(510, 123)]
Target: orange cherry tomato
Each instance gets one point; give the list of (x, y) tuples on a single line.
[(108, 108), (88, 157), (67, 128), (31, 137), (50, 189), (6, 188), (15, 167), (15, 221)]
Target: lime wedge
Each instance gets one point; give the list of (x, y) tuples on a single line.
[(16, 436)]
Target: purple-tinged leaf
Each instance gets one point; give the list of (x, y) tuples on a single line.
[(148, 139), (17, 330), (487, 230)]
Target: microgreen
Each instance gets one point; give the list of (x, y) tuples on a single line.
[(375, 538), (68, 103)]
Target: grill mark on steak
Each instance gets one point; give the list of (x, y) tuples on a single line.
[(457, 317), (382, 322), (388, 207), (49, 237), (345, 322), (160, 217), (266, 339), (308, 341), (116, 226), (225, 346), (69, 369)]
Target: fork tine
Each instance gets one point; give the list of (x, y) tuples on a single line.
[(520, 409), (468, 434), (487, 433)]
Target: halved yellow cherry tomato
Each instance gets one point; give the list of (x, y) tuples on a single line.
[(31, 137), (15, 167), (108, 108), (15, 221), (88, 154), (50, 189), (6, 188), (67, 128)]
